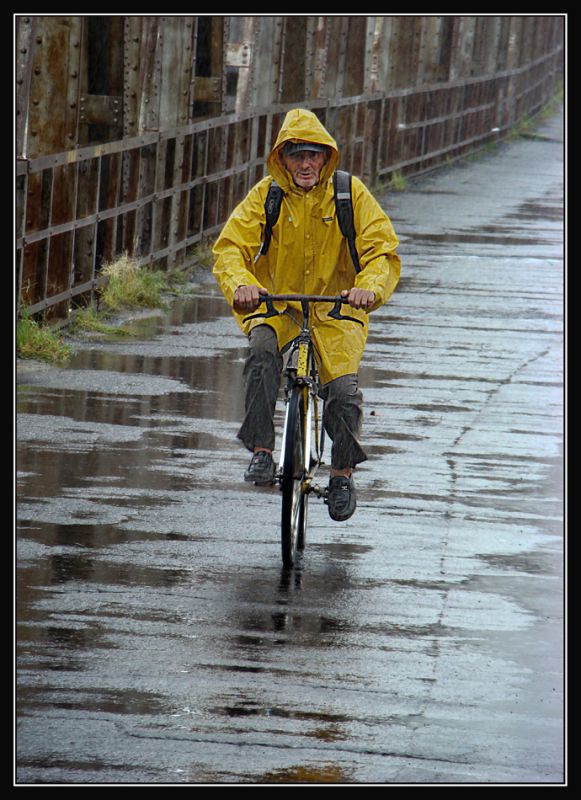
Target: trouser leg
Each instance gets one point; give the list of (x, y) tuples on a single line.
[(262, 373), (342, 420)]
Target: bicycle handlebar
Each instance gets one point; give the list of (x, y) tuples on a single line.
[(304, 299), (310, 298)]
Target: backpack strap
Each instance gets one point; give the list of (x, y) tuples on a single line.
[(344, 206), (272, 206)]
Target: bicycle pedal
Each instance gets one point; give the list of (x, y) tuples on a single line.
[(319, 492)]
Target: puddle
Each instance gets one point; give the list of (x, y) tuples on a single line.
[(500, 237), (102, 701), (327, 773)]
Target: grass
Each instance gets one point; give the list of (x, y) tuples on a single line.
[(398, 182), (89, 320), (40, 342), (130, 286), (524, 127)]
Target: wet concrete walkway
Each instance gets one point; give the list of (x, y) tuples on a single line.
[(159, 641)]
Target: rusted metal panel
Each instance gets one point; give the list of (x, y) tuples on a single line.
[(293, 82), (462, 63), (370, 65), (318, 57), (246, 67), (25, 43), (266, 61), (485, 45), (176, 44), (147, 64), (277, 59), (53, 94), (356, 46), (132, 43), (208, 90), (343, 40), (238, 54), (309, 49), (358, 140), (253, 158), (85, 242), (101, 80), (179, 201), (375, 41), (208, 58), (51, 126), (405, 43), (175, 41), (428, 68), (372, 136), (98, 109)]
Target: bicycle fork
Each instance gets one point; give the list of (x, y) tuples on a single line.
[(298, 375)]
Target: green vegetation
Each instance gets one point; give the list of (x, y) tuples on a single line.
[(398, 182), (41, 342), (527, 126), (130, 286), (524, 127), (89, 320)]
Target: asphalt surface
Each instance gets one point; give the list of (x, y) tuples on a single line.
[(159, 641)]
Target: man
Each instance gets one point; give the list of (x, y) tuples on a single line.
[(307, 255)]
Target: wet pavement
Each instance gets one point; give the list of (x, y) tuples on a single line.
[(421, 642)]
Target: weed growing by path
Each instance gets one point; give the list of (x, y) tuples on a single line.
[(40, 342), (131, 286)]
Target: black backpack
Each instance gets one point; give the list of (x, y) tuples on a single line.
[(343, 205)]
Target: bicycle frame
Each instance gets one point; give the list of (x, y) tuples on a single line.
[(302, 371), (297, 373), (298, 463)]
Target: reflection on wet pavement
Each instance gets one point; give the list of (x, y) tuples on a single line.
[(159, 640)]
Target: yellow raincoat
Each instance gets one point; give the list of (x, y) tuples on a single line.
[(307, 253)]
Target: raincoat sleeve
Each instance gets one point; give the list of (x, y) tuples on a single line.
[(376, 243), (239, 243)]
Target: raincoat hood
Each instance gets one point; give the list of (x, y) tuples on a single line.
[(302, 125)]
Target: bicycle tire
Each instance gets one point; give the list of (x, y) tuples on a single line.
[(294, 499)]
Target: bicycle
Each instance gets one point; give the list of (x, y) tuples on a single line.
[(303, 434)]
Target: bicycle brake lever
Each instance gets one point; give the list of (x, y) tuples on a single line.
[(336, 313), (270, 311)]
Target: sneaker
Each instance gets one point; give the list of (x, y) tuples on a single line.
[(341, 498), (261, 468)]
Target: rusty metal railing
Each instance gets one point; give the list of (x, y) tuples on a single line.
[(158, 195)]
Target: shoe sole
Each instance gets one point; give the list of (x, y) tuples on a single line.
[(342, 518), (259, 482)]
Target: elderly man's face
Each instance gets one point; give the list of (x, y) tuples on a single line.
[(305, 167)]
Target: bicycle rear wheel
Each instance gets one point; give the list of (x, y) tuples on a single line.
[(294, 498)]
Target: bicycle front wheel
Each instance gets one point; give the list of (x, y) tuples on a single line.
[(294, 498)]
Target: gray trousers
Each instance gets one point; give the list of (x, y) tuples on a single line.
[(262, 374)]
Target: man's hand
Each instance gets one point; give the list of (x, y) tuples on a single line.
[(359, 298), (247, 298)]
